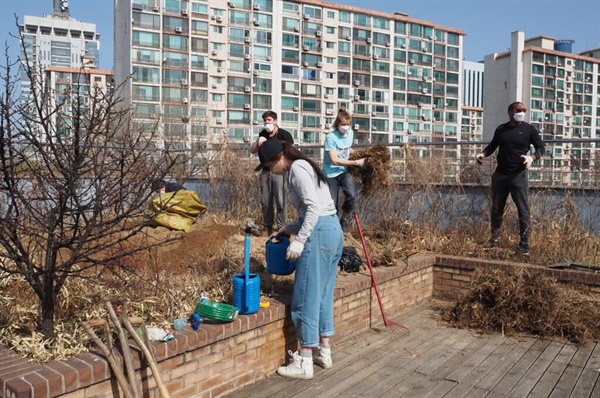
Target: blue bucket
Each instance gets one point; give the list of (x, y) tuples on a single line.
[(277, 264), (246, 295)]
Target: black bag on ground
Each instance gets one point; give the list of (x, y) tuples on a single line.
[(350, 261)]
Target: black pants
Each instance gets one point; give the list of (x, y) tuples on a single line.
[(517, 184)]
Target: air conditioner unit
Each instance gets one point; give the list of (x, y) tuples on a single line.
[(246, 139), (357, 98), (420, 104), (214, 85), (305, 48), (424, 91), (357, 82), (296, 92), (296, 109), (247, 89), (178, 30), (296, 29), (184, 82), (246, 106), (214, 52), (329, 111), (318, 33), (184, 12), (348, 38), (256, 6), (319, 64), (219, 69), (408, 131), (219, 120), (306, 16), (327, 125), (256, 22), (424, 49), (424, 78), (184, 100), (374, 128), (356, 126), (375, 56), (373, 113), (156, 9), (268, 57), (255, 73), (246, 56), (305, 64), (387, 44), (411, 61), (247, 39), (432, 37), (231, 4), (219, 19), (403, 45), (368, 39)]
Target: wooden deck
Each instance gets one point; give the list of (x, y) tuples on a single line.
[(436, 361)]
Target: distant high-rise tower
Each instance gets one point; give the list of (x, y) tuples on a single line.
[(58, 40)]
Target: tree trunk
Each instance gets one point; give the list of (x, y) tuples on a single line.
[(47, 316)]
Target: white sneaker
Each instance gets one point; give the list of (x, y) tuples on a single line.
[(299, 368), (323, 358)]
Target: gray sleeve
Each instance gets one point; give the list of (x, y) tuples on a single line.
[(303, 181)]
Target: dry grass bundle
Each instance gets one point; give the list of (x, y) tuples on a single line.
[(527, 302), (375, 175)]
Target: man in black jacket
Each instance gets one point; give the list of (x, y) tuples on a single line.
[(162, 186), (273, 187), (513, 140)]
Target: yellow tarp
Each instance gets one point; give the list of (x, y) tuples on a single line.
[(176, 210)]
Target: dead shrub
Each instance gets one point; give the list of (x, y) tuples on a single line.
[(527, 302)]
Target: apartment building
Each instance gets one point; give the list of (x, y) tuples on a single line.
[(561, 91), (205, 69), (472, 108), (56, 39), (73, 92)]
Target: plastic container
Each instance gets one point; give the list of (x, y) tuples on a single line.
[(246, 293), (179, 323), (277, 264)]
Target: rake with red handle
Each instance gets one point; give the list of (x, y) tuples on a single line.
[(386, 321)]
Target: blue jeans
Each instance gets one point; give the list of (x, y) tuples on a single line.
[(314, 284), (517, 184), (346, 182)]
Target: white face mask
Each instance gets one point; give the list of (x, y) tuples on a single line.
[(343, 128), (519, 116), (269, 127)]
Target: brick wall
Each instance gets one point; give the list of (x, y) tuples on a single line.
[(452, 275), (221, 358)]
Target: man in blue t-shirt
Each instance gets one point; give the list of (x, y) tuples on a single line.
[(338, 146)]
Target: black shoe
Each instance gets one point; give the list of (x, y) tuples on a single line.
[(524, 248)]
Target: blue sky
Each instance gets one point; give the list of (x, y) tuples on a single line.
[(488, 23)]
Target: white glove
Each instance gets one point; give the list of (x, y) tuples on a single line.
[(261, 140), (360, 162), (480, 158), (528, 160), (294, 250)]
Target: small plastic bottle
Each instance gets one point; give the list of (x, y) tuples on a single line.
[(196, 322)]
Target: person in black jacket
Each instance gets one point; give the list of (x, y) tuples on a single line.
[(162, 186), (273, 187), (513, 140)]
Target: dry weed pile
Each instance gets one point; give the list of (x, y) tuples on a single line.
[(376, 174), (527, 302)]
